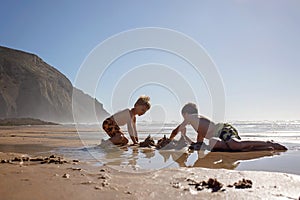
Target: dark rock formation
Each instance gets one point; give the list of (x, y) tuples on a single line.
[(23, 121), (29, 87)]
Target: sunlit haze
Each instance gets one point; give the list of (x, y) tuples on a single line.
[(254, 44)]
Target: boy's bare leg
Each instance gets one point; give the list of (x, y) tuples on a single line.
[(119, 139), (253, 145), (218, 145), (234, 145)]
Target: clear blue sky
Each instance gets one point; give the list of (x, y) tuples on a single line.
[(255, 45)]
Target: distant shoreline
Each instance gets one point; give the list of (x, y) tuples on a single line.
[(24, 121)]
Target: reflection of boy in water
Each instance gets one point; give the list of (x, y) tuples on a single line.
[(127, 117), (214, 160), (222, 137)]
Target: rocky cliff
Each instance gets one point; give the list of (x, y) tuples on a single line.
[(29, 87)]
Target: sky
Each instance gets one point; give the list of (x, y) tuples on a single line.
[(254, 44)]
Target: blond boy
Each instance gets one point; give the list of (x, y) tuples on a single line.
[(127, 117)]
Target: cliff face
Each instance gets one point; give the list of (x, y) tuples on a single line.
[(29, 87)]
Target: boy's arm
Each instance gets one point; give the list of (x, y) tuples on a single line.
[(132, 131), (179, 128), (174, 132), (183, 133)]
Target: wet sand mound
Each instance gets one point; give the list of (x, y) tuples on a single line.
[(148, 142)]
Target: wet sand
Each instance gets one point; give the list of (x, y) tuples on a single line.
[(79, 180)]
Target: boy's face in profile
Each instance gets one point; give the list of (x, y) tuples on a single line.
[(141, 109)]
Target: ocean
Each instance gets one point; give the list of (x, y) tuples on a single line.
[(141, 159)]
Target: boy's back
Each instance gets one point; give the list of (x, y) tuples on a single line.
[(122, 117), (203, 126)]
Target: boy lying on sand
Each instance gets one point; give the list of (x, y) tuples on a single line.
[(127, 117), (222, 136)]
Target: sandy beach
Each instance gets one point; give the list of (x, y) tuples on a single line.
[(29, 170), (149, 100)]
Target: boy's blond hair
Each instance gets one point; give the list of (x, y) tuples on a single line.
[(189, 108), (144, 101)]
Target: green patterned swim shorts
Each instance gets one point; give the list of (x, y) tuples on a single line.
[(226, 131)]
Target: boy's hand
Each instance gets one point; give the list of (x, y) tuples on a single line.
[(135, 142), (136, 139)]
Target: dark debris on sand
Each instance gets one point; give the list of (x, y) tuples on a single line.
[(215, 185), (242, 184), (42, 160), (211, 183)]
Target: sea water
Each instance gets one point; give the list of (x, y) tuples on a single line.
[(284, 132)]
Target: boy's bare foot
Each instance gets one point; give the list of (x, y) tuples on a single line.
[(277, 146), (271, 148)]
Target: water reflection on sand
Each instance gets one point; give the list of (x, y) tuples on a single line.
[(147, 158), (215, 160)]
